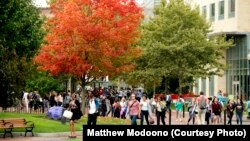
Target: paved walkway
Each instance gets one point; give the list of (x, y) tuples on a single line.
[(19, 136), (64, 136), (186, 116)]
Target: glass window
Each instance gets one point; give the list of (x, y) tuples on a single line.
[(197, 86), (203, 85), (204, 11), (211, 85), (157, 2), (221, 10), (239, 68), (231, 8), (212, 11)]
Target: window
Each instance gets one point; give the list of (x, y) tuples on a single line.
[(204, 11), (231, 8), (221, 10), (197, 87), (212, 11), (211, 86), (157, 2), (203, 85)]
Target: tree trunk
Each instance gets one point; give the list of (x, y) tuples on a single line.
[(118, 84), (154, 87), (166, 87), (180, 85), (83, 93), (69, 85)]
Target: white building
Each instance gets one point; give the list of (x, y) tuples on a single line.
[(232, 18)]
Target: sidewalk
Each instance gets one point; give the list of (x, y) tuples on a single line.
[(42, 139), (19, 136), (186, 116)]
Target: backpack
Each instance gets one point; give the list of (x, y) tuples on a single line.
[(202, 104)]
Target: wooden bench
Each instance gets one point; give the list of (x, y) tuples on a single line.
[(18, 123), (7, 127)]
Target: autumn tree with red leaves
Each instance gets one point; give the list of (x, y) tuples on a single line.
[(91, 38)]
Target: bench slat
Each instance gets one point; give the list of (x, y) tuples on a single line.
[(14, 120)]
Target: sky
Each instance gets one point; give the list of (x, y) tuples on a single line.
[(43, 3)]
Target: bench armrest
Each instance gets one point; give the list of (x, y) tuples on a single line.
[(30, 123), (8, 125)]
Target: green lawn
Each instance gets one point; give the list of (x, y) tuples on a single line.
[(73, 140), (46, 125)]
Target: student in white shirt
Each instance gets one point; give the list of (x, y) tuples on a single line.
[(93, 106), (144, 107)]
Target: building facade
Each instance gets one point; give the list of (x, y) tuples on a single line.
[(148, 7), (232, 18)]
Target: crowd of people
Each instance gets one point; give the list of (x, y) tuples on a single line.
[(33, 101), (210, 110), (202, 110), (134, 104)]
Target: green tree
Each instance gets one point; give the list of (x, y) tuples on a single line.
[(20, 37), (148, 78), (176, 42), (44, 83)]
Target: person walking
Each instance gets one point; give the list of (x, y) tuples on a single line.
[(93, 106), (201, 102), (123, 105), (208, 115), (74, 106), (168, 102), (179, 109), (108, 106), (133, 109), (25, 101), (230, 111), (191, 110), (160, 110), (239, 111), (216, 110), (145, 107), (117, 108)]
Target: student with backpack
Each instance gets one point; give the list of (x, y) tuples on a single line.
[(202, 102)]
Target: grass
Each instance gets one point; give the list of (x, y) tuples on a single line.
[(46, 125), (73, 140)]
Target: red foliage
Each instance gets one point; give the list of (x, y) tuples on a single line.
[(93, 37)]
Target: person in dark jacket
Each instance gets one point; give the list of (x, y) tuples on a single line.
[(74, 106)]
